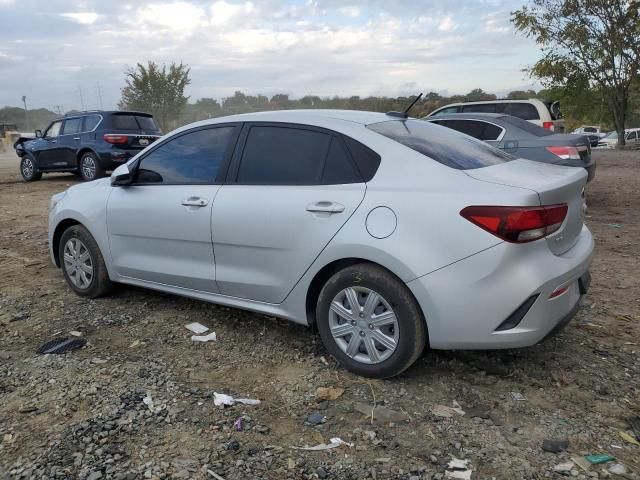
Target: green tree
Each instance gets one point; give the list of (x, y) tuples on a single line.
[(157, 90), (521, 95), (586, 42)]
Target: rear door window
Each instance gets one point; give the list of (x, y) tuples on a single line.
[(444, 145), (72, 125), (523, 110), (338, 168), (476, 128), (480, 108), (91, 122), (192, 158), (447, 110), (283, 156)]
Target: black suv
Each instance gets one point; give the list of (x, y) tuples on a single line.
[(87, 143)]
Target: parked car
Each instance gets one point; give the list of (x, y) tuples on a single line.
[(87, 143), (588, 129), (610, 140), (523, 139), (386, 233), (544, 114)]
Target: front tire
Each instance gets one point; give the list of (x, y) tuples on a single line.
[(369, 321), (89, 167), (82, 263), (29, 169)]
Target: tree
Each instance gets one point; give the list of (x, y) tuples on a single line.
[(592, 42), (521, 95), (157, 90), (477, 95)]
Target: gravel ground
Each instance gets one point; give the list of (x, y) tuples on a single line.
[(137, 400)]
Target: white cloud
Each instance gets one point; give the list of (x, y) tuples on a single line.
[(84, 18), (447, 25), (350, 11), (222, 12), (181, 17)]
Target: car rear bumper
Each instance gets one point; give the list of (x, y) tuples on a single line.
[(115, 157), (466, 302)]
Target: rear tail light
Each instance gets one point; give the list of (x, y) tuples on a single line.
[(548, 126), (566, 153), (115, 138), (517, 224)]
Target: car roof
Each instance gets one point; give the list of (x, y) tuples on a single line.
[(103, 112), (308, 117)]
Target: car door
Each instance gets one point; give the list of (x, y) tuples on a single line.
[(160, 226), (290, 190), (48, 152), (631, 138), (69, 141)]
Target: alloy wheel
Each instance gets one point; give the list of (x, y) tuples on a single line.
[(88, 167), (78, 263), (27, 168), (363, 325)]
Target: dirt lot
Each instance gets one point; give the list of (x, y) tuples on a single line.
[(82, 415)]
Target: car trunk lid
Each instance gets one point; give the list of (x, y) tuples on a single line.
[(553, 184)]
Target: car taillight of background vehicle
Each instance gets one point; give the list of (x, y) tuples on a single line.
[(548, 126), (567, 153), (115, 138), (517, 224)]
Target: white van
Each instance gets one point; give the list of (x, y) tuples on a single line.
[(542, 113), (610, 140)]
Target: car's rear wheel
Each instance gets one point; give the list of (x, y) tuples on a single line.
[(82, 263), (370, 322), (29, 169), (89, 167)]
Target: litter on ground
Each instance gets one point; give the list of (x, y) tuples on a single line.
[(222, 399), (196, 328), (204, 338), (333, 443)]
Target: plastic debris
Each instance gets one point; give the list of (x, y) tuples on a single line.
[(75, 333), (599, 458), (333, 443), (237, 425), (204, 338), (148, 401), (517, 396), (380, 413), (214, 475), (196, 328), (614, 225), (629, 438), (459, 474), (555, 446), (617, 469), (457, 464), (316, 418), (565, 467), (447, 412), (222, 399), (582, 463), (328, 393), (62, 345)]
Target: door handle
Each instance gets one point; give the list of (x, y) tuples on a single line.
[(325, 207), (195, 202)]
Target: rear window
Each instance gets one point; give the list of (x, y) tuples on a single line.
[(528, 127), (523, 110), (442, 144), (133, 122), (590, 130)]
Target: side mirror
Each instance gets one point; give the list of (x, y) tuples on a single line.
[(121, 176), (38, 133)]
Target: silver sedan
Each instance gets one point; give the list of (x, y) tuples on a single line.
[(387, 234)]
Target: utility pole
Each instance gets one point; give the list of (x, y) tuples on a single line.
[(81, 98), (58, 109), (26, 112), (100, 96)]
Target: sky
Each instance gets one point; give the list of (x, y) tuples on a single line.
[(72, 54)]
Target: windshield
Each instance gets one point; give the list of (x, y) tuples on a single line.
[(442, 144), (611, 135)]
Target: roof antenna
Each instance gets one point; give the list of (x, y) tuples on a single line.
[(405, 114)]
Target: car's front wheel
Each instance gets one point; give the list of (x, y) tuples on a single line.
[(370, 322), (89, 167), (82, 263), (29, 169)]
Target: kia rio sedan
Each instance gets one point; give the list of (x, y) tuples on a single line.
[(387, 234)]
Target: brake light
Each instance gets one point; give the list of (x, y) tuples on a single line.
[(565, 153), (548, 126), (115, 138), (517, 224)]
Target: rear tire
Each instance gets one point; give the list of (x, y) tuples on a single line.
[(29, 169), (89, 167), (383, 335), (82, 263)]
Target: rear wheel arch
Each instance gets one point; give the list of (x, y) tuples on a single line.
[(82, 151), (326, 272)]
